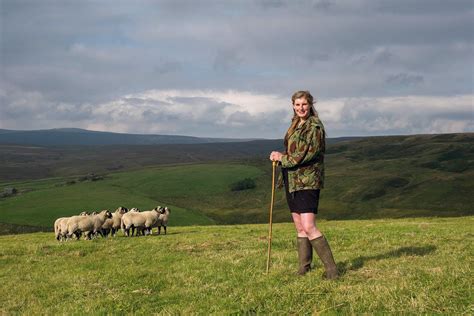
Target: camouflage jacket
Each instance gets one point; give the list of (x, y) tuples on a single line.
[(304, 156)]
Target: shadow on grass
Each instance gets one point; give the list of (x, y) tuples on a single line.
[(359, 262)]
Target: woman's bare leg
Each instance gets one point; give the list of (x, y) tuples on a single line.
[(298, 225), (308, 222)]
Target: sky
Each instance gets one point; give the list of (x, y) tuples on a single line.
[(216, 68)]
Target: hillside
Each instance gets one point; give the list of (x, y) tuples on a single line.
[(38, 162), (377, 177), (403, 267), (389, 176)]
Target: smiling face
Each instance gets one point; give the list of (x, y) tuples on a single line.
[(302, 108)]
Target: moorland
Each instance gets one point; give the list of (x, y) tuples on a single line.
[(371, 177)]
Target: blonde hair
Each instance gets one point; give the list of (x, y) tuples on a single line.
[(295, 120)]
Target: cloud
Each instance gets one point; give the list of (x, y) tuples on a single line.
[(227, 60), (400, 115), (404, 79), (240, 114), (231, 65)]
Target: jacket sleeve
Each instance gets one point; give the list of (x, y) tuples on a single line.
[(306, 148)]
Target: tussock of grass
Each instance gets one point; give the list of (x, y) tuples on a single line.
[(411, 266)]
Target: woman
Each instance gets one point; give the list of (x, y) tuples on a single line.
[(303, 175)]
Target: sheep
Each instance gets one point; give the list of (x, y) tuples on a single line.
[(142, 221), (60, 227), (135, 210), (163, 219), (87, 224), (113, 224)]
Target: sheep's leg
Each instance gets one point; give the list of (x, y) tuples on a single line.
[(77, 235), (165, 229), (159, 230), (88, 235)]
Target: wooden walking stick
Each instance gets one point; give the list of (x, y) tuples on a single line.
[(274, 163)]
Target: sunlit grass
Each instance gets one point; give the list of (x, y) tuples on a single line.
[(414, 266)]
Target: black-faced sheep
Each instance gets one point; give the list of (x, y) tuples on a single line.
[(88, 225), (112, 225), (140, 220), (60, 226), (163, 219)]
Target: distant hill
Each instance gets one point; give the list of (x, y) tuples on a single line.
[(82, 137), (76, 136)]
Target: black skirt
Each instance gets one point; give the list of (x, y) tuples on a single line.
[(304, 201)]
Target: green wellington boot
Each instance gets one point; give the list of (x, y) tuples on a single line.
[(323, 250), (305, 255)]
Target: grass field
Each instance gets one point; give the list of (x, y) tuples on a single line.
[(404, 266), (46, 200)]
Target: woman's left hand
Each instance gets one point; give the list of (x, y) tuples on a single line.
[(275, 156)]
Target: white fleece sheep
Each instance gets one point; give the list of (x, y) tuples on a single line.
[(60, 226), (141, 221), (88, 225), (163, 219), (111, 225)]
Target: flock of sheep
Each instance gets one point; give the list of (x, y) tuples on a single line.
[(105, 223)]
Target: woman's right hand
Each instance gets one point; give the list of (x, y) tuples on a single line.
[(275, 156)]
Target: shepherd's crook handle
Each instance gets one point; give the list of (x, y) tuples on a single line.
[(274, 163)]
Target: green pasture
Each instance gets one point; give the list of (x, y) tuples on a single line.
[(398, 266), (181, 188)]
